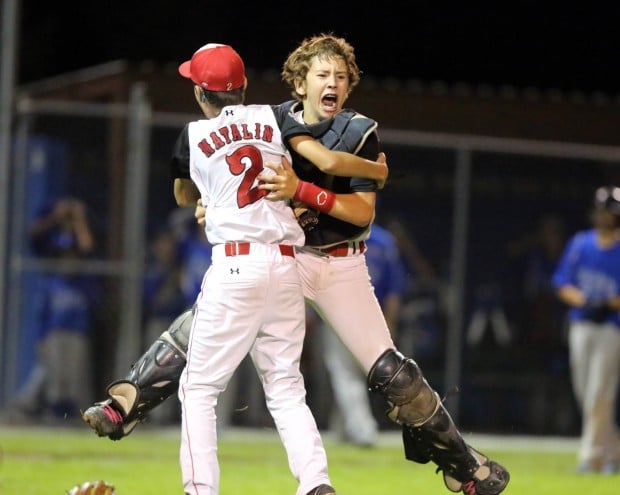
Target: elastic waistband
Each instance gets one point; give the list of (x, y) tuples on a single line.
[(344, 249), (243, 248)]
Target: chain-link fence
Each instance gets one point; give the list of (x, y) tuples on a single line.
[(473, 206)]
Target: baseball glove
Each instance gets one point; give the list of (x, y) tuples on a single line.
[(306, 218), (596, 311), (92, 488)]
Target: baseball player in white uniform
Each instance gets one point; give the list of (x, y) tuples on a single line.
[(251, 299)]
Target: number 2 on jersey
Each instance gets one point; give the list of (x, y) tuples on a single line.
[(237, 160)]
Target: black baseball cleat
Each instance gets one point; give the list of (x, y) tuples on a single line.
[(322, 490), (105, 420), (491, 478)]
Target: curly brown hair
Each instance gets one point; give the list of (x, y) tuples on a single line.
[(324, 45)]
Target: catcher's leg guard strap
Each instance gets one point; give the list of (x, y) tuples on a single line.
[(440, 441), (402, 383)]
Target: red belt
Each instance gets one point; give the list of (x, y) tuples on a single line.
[(239, 248), (345, 249)]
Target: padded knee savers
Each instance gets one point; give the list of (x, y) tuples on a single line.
[(401, 382)]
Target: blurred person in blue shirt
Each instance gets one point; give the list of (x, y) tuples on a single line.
[(63, 303), (195, 255), (163, 300), (587, 280)]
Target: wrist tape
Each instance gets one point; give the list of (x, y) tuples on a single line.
[(314, 196)]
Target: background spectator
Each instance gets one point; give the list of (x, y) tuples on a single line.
[(587, 279), (63, 376)]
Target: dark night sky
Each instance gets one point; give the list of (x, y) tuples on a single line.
[(567, 48)]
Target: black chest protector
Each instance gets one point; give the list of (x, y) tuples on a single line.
[(347, 131)]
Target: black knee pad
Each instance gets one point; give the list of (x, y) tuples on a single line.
[(401, 382)]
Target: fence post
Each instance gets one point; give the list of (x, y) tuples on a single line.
[(129, 341), (458, 269)]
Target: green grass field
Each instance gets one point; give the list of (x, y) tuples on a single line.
[(49, 461)]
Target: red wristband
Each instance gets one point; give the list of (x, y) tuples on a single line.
[(314, 196)]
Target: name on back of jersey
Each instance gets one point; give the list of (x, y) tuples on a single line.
[(235, 133)]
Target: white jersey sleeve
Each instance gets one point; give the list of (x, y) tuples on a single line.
[(226, 154)]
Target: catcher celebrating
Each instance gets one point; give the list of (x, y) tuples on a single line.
[(339, 212)]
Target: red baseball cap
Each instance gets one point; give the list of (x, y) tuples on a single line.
[(215, 67)]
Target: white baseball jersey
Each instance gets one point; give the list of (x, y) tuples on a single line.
[(227, 153)]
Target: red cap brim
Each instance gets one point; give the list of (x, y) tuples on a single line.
[(184, 69)]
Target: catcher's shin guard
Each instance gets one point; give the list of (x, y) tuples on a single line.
[(464, 468), (438, 440), (429, 433), (155, 376)]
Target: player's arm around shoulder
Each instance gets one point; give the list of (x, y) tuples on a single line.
[(340, 163)]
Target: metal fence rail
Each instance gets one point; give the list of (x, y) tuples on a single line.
[(88, 128)]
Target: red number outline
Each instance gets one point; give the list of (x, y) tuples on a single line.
[(237, 160)]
